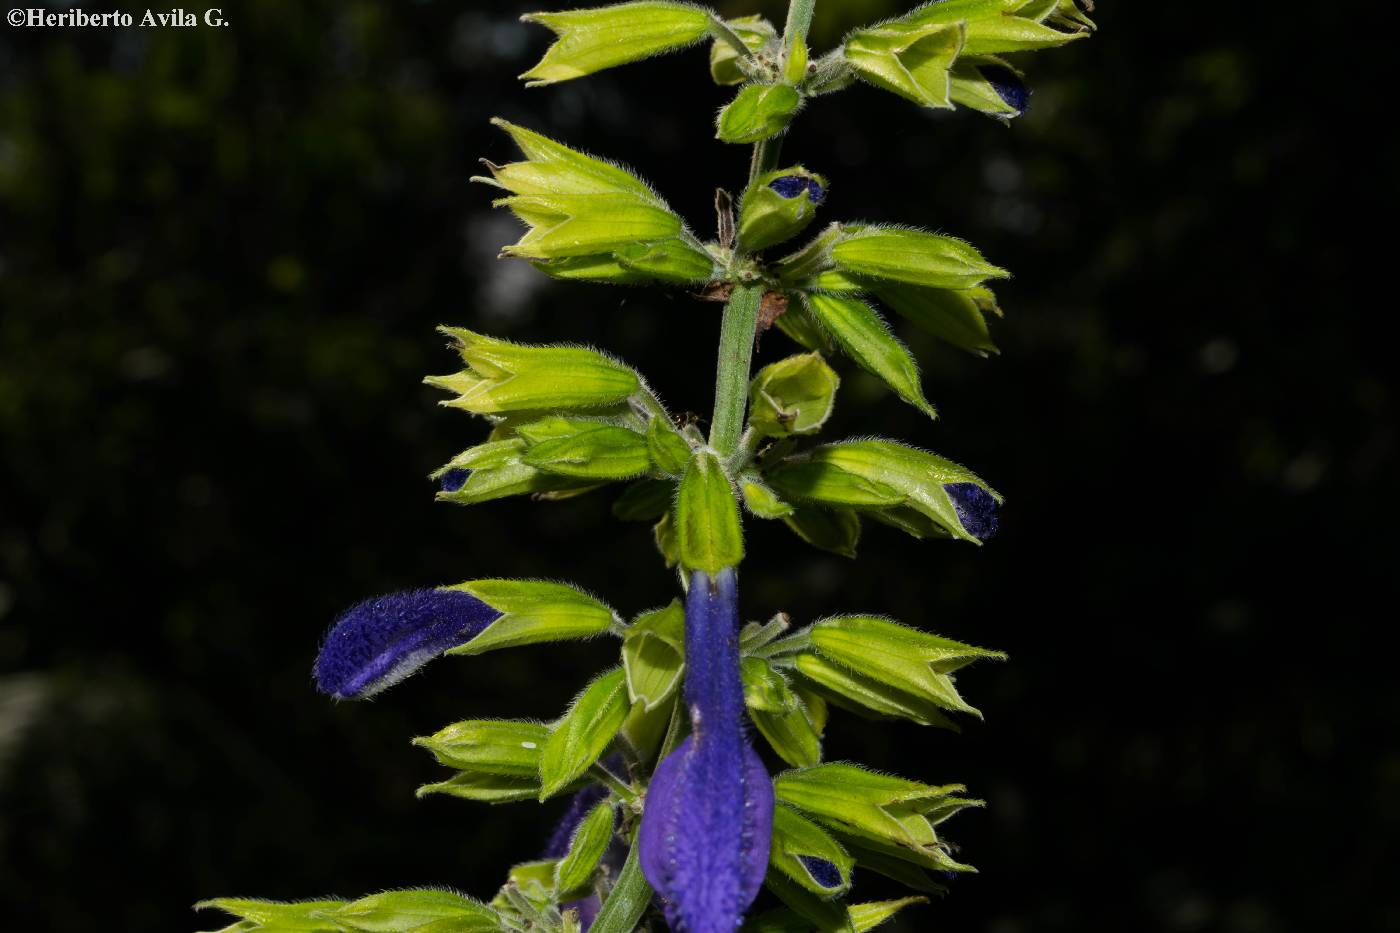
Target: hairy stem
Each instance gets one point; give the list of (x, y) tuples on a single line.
[(736, 338), (799, 21)]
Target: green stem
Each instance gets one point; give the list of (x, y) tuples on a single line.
[(799, 21), (736, 337), (628, 899), (614, 783)]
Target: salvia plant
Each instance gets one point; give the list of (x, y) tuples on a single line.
[(674, 818)]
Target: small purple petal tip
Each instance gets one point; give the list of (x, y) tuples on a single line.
[(1009, 86), (453, 479), (976, 508), (708, 821), (380, 641), (792, 186), (824, 873)]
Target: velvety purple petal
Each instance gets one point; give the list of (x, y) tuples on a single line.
[(976, 508), (708, 821), (381, 641)]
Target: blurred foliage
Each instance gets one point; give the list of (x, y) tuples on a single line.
[(222, 254)]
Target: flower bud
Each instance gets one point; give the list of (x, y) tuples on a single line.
[(504, 377), (877, 475), (792, 396), (379, 642), (595, 39), (912, 256), (758, 112), (778, 206)]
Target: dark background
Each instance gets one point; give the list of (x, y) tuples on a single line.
[(223, 256)]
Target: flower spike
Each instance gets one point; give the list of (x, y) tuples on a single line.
[(708, 821), (380, 641)]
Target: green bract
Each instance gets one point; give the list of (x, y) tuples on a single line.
[(997, 25), (534, 611), (912, 256), (591, 40), (877, 475), (912, 60), (708, 530), (579, 739), (903, 659), (865, 338), (574, 873), (653, 655), (780, 714), (489, 746), (506, 377), (590, 219), (889, 814), (758, 112), (792, 396)]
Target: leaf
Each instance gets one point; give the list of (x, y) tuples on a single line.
[(584, 733), (760, 500), (865, 338)]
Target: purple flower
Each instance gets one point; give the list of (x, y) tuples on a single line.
[(976, 508), (708, 820), (381, 641), (792, 186)]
